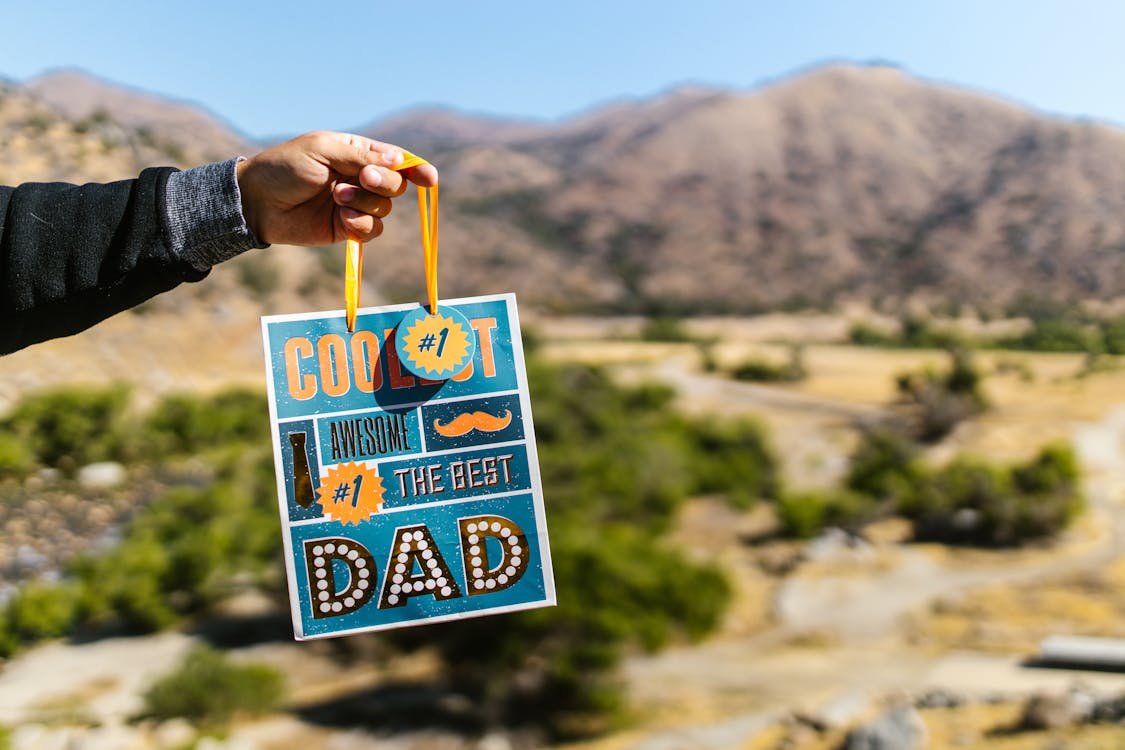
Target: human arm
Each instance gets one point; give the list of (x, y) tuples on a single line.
[(71, 256)]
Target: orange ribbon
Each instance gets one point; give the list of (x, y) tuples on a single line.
[(427, 209)]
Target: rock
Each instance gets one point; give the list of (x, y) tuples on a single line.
[(39, 737), (101, 475), (210, 743), (1046, 711), (939, 698), (108, 738), (900, 728), (1109, 710), (967, 519), (838, 712), (174, 733), (494, 741), (48, 475)]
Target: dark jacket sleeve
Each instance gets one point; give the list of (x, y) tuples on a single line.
[(73, 255)]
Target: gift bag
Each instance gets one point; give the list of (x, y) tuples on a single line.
[(405, 499)]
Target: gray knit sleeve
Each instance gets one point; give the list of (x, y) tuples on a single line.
[(204, 215)]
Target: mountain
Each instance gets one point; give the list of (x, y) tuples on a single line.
[(42, 143), (435, 130), (844, 183), (199, 134)]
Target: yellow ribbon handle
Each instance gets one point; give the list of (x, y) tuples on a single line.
[(427, 209)]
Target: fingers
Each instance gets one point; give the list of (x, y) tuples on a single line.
[(361, 200), (383, 181), (348, 154), (371, 180), (360, 212), (425, 175), (357, 225), (352, 155)]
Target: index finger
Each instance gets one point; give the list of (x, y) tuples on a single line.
[(425, 175), (348, 154)]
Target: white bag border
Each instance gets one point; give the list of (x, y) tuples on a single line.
[(530, 444)]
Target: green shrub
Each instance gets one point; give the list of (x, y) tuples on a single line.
[(1113, 336), (884, 465), (1054, 469), (36, 612), (1057, 334), (939, 401), (617, 463), (971, 502), (16, 458), (210, 690), (70, 426), (179, 555), (914, 332), (763, 371), (664, 328), (733, 457), (865, 334), (804, 515), (184, 423)]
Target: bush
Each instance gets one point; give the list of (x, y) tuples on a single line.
[(617, 462), (36, 612), (179, 555), (971, 502), (733, 457), (806, 514), (1057, 334), (71, 427), (884, 466), (1113, 335), (662, 328), (209, 690), (759, 370), (186, 423), (865, 334), (939, 401), (914, 332), (16, 458)]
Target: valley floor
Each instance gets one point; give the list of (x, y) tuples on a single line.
[(830, 631)]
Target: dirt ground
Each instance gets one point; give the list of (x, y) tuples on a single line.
[(845, 626)]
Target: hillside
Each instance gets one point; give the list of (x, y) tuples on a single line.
[(843, 184), (847, 183), (198, 134)]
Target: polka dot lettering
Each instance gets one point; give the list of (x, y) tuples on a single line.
[(494, 567), (339, 569), (420, 569)]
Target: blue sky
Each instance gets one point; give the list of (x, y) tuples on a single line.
[(284, 67)]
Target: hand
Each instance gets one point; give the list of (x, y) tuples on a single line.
[(324, 187)]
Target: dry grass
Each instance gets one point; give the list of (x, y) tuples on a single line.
[(1015, 618)]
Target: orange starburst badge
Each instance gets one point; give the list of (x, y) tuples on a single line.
[(435, 346), (350, 493)]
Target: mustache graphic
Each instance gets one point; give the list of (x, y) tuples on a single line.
[(477, 420)]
